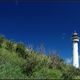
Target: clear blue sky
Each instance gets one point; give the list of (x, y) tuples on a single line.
[(41, 21)]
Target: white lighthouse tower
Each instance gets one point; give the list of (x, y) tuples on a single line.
[(75, 39)]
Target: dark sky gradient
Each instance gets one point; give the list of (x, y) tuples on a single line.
[(41, 21)]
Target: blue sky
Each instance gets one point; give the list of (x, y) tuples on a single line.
[(41, 21)]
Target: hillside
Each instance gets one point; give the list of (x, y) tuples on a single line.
[(19, 62)]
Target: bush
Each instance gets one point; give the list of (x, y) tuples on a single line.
[(21, 50), (35, 62), (8, 71), (71, 73), (56, 61), (2, 38), (9, 45), (46, 73)]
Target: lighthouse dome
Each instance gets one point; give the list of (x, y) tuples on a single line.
[(75, 34)]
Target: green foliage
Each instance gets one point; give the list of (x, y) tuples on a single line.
[(8, 71), (71, 73), (2, 38), (46, 73), (10, 65), (56, 61), (36, 61), (10, 57), (9, 45), (19, 62), (21, 50)]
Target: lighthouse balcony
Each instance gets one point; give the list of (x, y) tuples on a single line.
[(75, 40)]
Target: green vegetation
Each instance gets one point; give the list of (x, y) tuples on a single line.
[(18, 62)]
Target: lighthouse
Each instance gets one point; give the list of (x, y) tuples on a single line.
[(75, 40)]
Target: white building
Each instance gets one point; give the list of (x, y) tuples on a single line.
[(75, 40)]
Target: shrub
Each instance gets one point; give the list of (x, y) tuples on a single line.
[(46, 73), (2, 38), (21, 50), (71, 73), (56, 61), (35, 62), (8, 71), (9, 45)]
